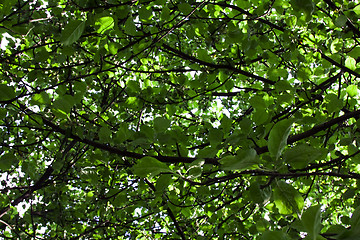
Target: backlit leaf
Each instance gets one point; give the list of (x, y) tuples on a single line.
[(149, 166), (104, 24), (336, 45), (352, 90), (287, 199), (244, 159), (350, 63), (334, 103), (357, 9)]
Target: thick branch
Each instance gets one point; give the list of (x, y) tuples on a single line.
[(224, 4), (173, 159), (314, 130), (277, 175), (214, 161), (342, 67), (348, 22), (39, 184), (108, 148), (216, 66)]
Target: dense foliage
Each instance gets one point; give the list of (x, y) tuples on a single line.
[(179, 119)]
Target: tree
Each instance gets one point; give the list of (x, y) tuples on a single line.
[(179, 119)]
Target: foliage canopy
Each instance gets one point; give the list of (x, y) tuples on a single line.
[(179, 119)]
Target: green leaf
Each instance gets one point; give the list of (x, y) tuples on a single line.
[(257, 102), (207, 152), (215, 136), (3, 113), (291, 21), (165, 13), (278, 137), (354, 232), (7, 161), (161, 124), (336, 45), (64, 103), (350, 63), (7, 92), (114, 47), (163, 182), (311, 219), (357, 9), (105, 134), (226, 124), (274, 235), (355, 52), (194, 172), (104, 24), (244, 159), (335, 230), (130, 27), (341, 21), (185, 8), (203, 55), (41, 98), (195, 168), (260, 116), (334, 103), (307, 7), (352, 90), (355, 218), (72, 32), (259, 195), (145, 13), (287, 199), (277, 73), (90, 194), (7, 5), (149, 165), (301, 155)]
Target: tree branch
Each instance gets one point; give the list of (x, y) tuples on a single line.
[(171, 214), (216, 66), (275, 174), (315, 129)]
